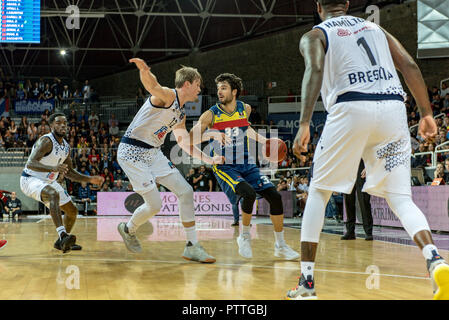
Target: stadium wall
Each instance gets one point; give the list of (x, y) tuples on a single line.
[(273, 58)]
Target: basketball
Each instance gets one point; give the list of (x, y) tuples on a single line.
[(275, 150)]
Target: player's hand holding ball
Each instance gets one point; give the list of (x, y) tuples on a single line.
[(274, 150)]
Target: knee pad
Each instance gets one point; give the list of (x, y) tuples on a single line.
[(245, 191), (274, 199), (153, 203)]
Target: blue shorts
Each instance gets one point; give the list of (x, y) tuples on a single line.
[(229, 176)]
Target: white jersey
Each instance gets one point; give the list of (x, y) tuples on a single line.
[(152, 123), (358, 61), (58, 155)]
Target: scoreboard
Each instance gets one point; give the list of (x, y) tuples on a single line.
[(20, 21)]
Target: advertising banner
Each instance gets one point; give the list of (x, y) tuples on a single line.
[(124, 203), (33, 106)]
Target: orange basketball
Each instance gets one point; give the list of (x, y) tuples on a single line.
[(275, 150)]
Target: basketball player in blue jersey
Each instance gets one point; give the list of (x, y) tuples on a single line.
[(140, 156), (50, 158), (354, 63), (239, 177)]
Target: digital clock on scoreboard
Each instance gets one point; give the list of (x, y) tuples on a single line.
[(21, 21)]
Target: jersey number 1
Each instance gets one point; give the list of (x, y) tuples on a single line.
[(362, 41)]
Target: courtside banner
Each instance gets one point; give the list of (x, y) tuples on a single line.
[(124, 203)]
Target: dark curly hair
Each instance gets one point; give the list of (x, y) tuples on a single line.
[(234, 81)]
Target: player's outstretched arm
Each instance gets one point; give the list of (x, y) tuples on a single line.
[(74, 175), (151, 84), (185, 142), (43, 147)]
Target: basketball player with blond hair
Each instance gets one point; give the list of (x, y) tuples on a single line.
[(353, 62), (140, 156)]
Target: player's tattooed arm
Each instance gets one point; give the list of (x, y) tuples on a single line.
[(74, 175), (311, 46), (43, 147)]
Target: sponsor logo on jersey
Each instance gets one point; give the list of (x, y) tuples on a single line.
[(343, 32), (161, 132)]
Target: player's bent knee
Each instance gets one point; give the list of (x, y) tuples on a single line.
[(244, 190), (274, 198)]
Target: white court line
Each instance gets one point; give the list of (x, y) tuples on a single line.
[(296, 268)]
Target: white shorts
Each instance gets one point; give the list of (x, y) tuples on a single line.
[(143, 166), (32, 187), (375, 131)]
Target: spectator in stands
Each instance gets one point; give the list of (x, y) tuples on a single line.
[(83, 116), (444, 89), (106, 163), (439, 171), (446, 104), (113, 130), (420, 160), (45, 116), (283, 185), (129, 188), (86, 91), (119, 187), (47, 94), (94, 158), (13, 206), (119, 174), (190, 176), (254, 117), (107, 174), (66, 96), (106, 185), (84, 196), (72, 117), (203, 180), (21, 94), (13, 130), (36, 93), (437, 104), (93, 96), (41, 84), (113, 120), (93, 121), (83, 169)]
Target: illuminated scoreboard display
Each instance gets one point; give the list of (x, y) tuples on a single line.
[(21, 21)]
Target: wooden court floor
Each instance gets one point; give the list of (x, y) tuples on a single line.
[(31, 269)]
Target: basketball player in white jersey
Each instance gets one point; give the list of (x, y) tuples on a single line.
[(354, 63), (50, 157), (143, 162)]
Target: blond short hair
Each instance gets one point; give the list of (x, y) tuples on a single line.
[(187, 74)]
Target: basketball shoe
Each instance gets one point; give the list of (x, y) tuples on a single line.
[(305, 290), (67, 241), (244, 243), (439, 273), (195, 252), (131, 241), (57, 245), (285, 251), (3, 243)]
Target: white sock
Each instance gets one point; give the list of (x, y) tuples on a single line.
[(191, 234), (427, 251), (307, 268), (132, 228), (60, 230), (279, 236), (246, 229)]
